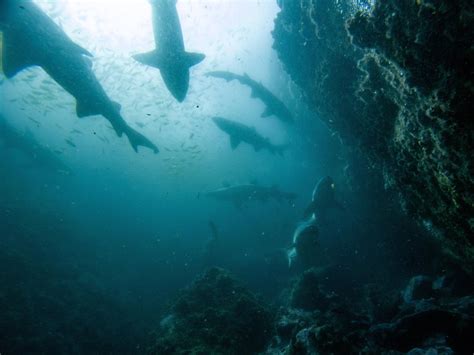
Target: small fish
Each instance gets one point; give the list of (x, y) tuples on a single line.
[(35, 121), (71, 143)]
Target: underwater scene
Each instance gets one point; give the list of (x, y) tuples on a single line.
[(236, 177)]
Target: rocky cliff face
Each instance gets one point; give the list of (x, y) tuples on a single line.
[(395, 80)]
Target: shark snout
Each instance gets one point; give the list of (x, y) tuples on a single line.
[(219, 121)]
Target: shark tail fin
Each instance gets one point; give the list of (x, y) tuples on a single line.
[(136, 139), (279, 149), (193, 58)]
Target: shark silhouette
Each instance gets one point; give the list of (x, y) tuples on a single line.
[(240, 195), (169, 56), (239, 132), (274, 106), (31, 38), (26, 143)]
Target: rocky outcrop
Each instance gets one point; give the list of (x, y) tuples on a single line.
[(395, 81), (215, 315), (426, 318)]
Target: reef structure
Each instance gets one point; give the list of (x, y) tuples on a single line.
[(215, 315), (394, 79)]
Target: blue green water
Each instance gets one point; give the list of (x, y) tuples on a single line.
[(96, 240)]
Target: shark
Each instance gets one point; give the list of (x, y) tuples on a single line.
[(31, 38), (274, 106), (323, 199), (27, 144), (239, 132), (240, 195), (169, 56), (305, 246)]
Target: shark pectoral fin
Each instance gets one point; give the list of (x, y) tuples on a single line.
[(193, 58), (234, 142), (88, 61), (266, 113), (84, 110), (309, 210), (117, 106), (151, 59), (14, 59), (81, 50)]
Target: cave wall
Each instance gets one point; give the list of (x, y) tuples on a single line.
[(395, 81)]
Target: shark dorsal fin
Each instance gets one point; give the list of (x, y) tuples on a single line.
[(257, 147), (84, 110), (234, 142), (267, 112), (16, 58)]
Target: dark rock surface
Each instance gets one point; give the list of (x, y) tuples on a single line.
[(419, 287), (215, 315), (427, 322), (396, 83), (309, 294)]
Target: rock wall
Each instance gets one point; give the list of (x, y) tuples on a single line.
[(395, 81)]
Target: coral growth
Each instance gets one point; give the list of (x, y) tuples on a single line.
[(215, 315), (396, 83)]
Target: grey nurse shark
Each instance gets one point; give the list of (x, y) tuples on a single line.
[(240, 195), (11, 138), (239, 132), (274, 106), (31, 38), (169, 56)]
